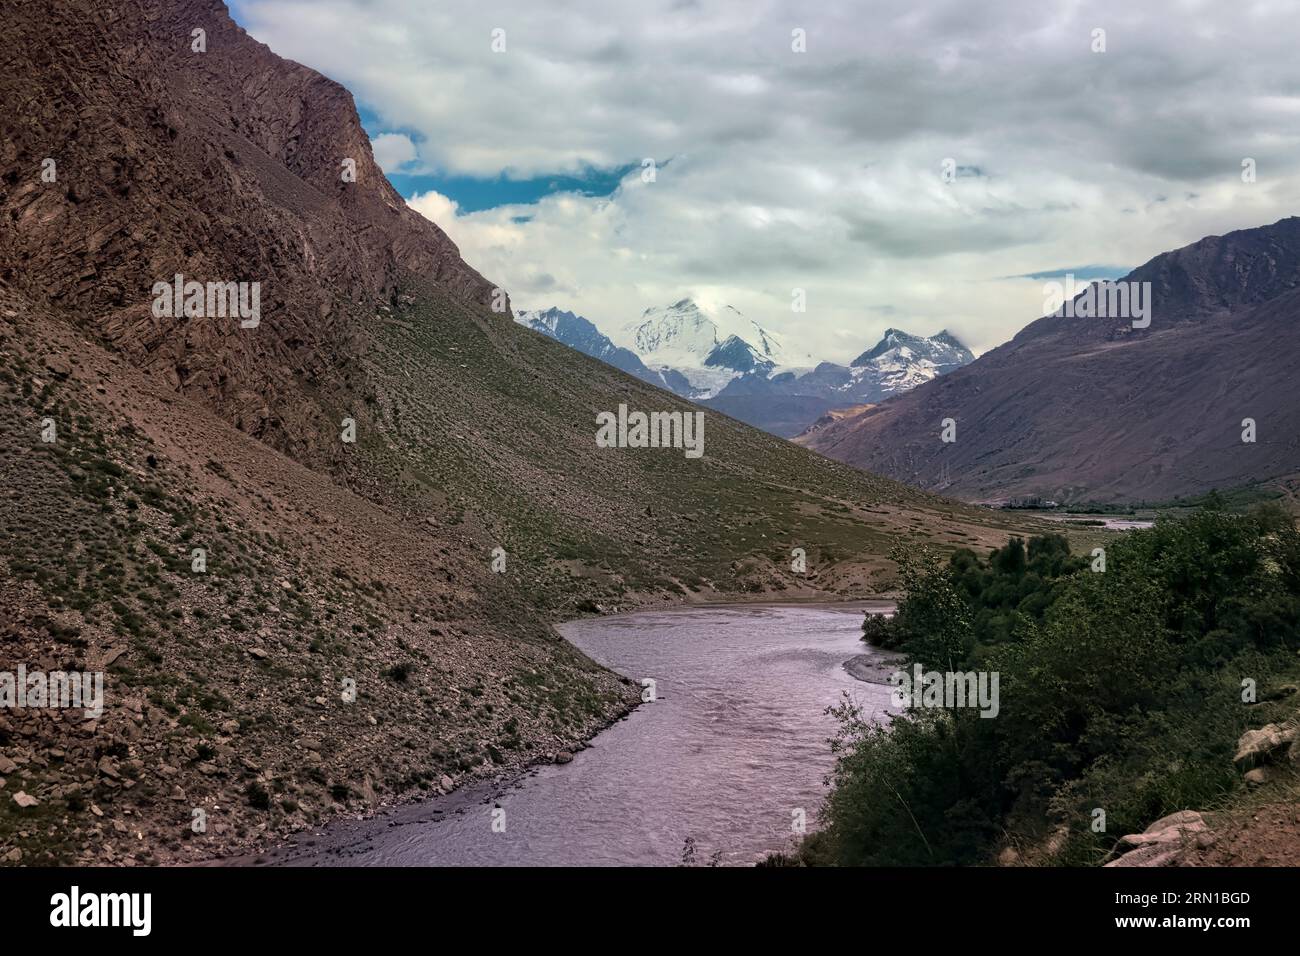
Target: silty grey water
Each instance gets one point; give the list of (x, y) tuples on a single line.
[(733, 746)]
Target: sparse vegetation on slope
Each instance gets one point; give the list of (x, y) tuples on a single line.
[(226, 689)]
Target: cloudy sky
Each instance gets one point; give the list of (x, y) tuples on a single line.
[(822, 169)]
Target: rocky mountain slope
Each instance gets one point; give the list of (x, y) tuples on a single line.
[(1096, 409), (328, 654), (395, 488)]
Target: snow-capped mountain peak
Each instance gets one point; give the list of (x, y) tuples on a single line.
[(709, 346), (902, 361), (940, 349), (543, 320), (679, 334)]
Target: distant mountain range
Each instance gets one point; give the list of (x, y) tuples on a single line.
[(1100, 409), (723, 360)]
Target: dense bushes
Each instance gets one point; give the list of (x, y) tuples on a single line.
[(1120, 691)]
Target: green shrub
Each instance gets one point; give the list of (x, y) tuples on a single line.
[(258, 796), (1119, 690)]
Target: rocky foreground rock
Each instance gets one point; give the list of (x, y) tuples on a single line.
[(1261, 755)]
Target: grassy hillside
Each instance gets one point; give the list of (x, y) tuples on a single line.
[(490, 428)]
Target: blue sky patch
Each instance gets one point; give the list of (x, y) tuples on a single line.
[(1086, 273), (476, 193)]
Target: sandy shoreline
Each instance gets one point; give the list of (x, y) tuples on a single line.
[(874, 668)]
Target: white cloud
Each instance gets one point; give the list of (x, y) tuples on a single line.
[(821, 170), (392, 151), (437, 207)]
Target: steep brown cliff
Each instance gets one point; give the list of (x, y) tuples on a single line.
[(228, 165)]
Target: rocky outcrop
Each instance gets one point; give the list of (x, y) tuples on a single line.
[(129, 157)]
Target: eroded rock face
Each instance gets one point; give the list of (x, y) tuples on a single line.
[(128, 158)]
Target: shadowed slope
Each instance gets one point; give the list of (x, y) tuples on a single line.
[(1079, 409)]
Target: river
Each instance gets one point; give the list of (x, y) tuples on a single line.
[(731, 749), (1108, 522)]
